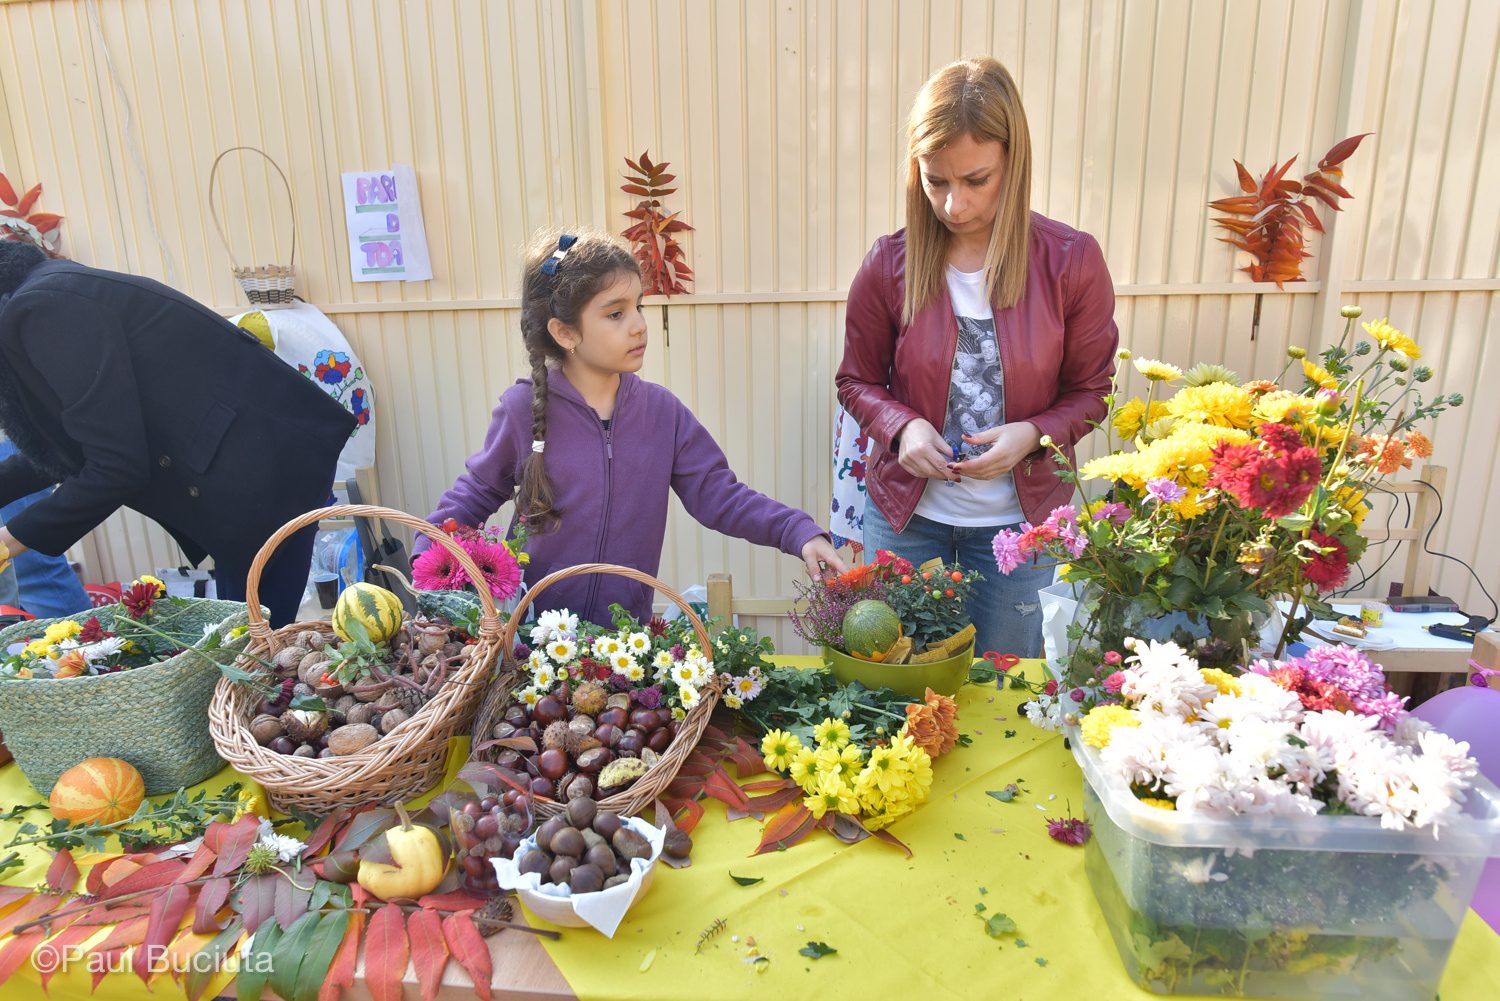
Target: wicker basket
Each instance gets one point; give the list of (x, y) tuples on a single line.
[(402, 764), (265, 285), (155, 717), (650, 786)]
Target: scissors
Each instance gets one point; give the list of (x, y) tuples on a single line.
[(1003, 662)]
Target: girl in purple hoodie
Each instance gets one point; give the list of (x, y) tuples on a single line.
[(590, 451)]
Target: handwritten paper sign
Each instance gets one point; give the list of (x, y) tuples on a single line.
[(387, 241)]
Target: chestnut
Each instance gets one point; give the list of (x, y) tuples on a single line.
[(561, 868), (486, 826), (517, 716), (607, 734), (512, 760), (552, 764), (594, 759), (645, 719), (631, 743), (543, 787), (606, 824), (547, 830), (548, 710), (614, 717), (283, 745), (568, 841), (586, 878), (660, 740)]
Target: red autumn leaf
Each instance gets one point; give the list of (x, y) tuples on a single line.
[(149, 877), (686, 814), (723, 788), (386, 953), (29, 911), (1342, 150), (429, 951), (324, 832), (341, 973), (885, 835), (167, 910), (633, 165), (1247, 183), (94, 882), (45, 222), (773, 800), (197, 865), (75, 935), (18, 950), (456, 901), (29, 199), (232, 842), (124, 936), (291, 901), (747, 760), (113, 914), (211, 899), (646, 163), (10, 894), (7, 193), (635, 189), (468, 947), (258, 901), (62, 874), (786, 828)]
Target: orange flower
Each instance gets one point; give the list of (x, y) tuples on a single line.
[(933, 724), (70, 665), (1418, 444), (1260, 386), (1386, 453)]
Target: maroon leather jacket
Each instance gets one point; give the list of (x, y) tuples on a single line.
[(1057, 349)]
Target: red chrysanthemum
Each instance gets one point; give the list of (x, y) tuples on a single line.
[(1232, 468), (1068, 830), (1281, 437), (138, 599), (1327, 570)]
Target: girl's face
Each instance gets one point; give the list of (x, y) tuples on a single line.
[(962, 183), (610, 337)]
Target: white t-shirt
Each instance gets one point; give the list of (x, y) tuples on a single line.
[(976, 402)]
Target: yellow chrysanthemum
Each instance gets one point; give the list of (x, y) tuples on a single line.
[(1160, 804), (1186, 455), (1128, 419), (1157, 371), (1126, 466), (1226, 683), (1194, 503), (831, 795), (1318, 375), (888, 816), (1353, 501), (1391, 339), (779, 748), (161, 586), (831, 731), (843, 762), (1204, 373), (1282, 407), (59, 631), (1101, 720), (804, 769), (1218, 403)]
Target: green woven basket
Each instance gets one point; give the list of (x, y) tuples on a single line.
[(155, 717)]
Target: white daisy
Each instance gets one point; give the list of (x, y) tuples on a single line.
[(638, 643), (562, 651), (635, 672), (543, 678), (732, 701), (286, 848), (621, 662), (530, 696), (689, 696), (662, 661)]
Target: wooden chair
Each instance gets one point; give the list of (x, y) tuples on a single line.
[(1417, 579)]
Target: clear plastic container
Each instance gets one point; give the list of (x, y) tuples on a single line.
[(1281, 907)]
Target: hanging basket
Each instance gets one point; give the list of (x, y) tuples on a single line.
[(403, 763), (267, 286), (650, 786)]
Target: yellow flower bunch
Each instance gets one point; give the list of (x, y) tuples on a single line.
[(1218, 403), (1131, 417), (837, 776), (1226, 683), (1391, 339), (1102, 720), (54, 635)]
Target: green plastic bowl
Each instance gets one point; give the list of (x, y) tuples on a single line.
[(912, 680)]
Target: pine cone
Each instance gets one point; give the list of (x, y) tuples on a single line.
[(409, 699)]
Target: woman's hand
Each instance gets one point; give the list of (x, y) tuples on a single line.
[(1009, 444), (9, 547), (819, 555), (923, 453)]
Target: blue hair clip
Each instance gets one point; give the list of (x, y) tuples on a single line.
[(564, 244)]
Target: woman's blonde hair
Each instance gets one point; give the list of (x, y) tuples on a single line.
[(977, 98)]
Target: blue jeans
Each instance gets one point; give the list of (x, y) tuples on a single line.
[(1005, 610)]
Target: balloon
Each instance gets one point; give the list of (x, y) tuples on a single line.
[(1472, 714)]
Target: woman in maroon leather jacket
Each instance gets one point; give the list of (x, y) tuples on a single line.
[(970, 335)]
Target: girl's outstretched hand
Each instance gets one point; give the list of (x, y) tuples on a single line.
[(820, 557)]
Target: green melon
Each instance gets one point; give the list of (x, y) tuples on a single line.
[(870, 628)]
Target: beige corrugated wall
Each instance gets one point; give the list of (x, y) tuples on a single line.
[(783, 122)]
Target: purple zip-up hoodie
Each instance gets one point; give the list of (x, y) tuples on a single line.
[(610, 489)]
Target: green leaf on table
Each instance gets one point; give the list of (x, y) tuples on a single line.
[(964, 740), (1005, 795), (999, 924), (322, 944), (291, 952), (816, 950), (1010, 733), (747, 880), (1040, 961), (255, 966)]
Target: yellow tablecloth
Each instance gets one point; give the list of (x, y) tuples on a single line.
[(903, 928)]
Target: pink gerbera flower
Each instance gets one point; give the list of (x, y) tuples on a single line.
[(437, 570), (498, 564)]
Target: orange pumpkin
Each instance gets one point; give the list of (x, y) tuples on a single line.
[(97, 791)]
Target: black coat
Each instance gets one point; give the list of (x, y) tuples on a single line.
[(129, 394)]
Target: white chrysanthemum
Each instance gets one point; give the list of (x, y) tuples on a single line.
[(638, 643), (101, 651), (733, 701), (662, 661), (635, 672), (554, 623), (537, 659), (689, 696), (286, 848), (530, 696), (748, 687), (689, 674), (543, 678), (562, 651), (621, 662)]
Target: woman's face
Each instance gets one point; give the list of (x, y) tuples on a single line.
[(962, 183)]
